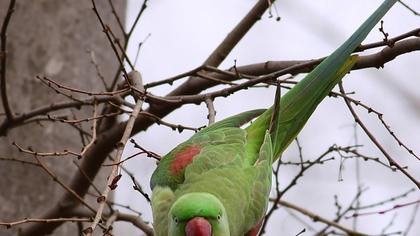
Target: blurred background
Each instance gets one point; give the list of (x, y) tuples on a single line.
[(184, 32)]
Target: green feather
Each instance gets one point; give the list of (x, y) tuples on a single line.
[(205, 138), (298, 104), (162, 200), (231, 175)]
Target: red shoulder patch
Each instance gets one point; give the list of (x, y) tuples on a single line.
[(183, 158), (254, 231)]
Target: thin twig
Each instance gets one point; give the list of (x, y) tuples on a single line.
[(390, 223), (211, 112), (319, 218), (298, 218), (6, 125), (149, 153), (3, 55), (307, 162), (384, 211), (392, 199), (67, 188), (121, 47), (64, 119), (341, 212), (357, 173), (385, 34), (113, 178), (57, 90), (106, 32), (394, 136), (45, 154), (87, 177), (381, 118), (393, 40), (79, 129), (126, 159), (90, 93), (19, 161), (305, 168), (135, 219), (139, 189), (391, 161), (117, 17), (97, 68), (139, 47), (355, 153), (300, 152), (412, 219), (46, 221), (178, 127), (142, 9), (172, 79), (127, 207)]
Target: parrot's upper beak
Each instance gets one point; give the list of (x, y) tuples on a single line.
[(198, 226)]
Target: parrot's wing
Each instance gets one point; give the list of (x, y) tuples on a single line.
[(243, 189), (203, 151), (170, 171), (260, 190), (226, 148), (162, 200)]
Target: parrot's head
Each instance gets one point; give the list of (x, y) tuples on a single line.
[(198, 214)]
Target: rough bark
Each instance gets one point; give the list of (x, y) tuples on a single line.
[(48, 37)]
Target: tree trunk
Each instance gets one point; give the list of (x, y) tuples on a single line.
[(49, 38)]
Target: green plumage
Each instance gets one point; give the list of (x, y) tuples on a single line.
[(236, 184), (223, 172), (209, 139)]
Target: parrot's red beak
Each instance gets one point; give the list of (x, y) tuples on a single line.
[(198, 226)]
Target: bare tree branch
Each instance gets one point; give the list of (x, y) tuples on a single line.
[(46, 221), (319, 218), (108, 138), (136, 81), (3, 55), (391, 160)]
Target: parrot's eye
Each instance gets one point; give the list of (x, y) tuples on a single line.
[(176, 220), (219, 217)]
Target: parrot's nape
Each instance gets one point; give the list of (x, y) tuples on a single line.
[(217, 183)]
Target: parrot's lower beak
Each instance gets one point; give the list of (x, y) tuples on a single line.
[(198, 226)]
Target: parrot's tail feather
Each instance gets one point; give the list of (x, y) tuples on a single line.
[(289, 115)]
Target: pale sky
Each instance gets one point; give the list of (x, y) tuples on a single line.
[(185, 32)]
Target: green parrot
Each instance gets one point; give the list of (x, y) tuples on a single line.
[(217, 183)]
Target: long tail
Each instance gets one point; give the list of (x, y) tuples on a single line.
[(298, 104)]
